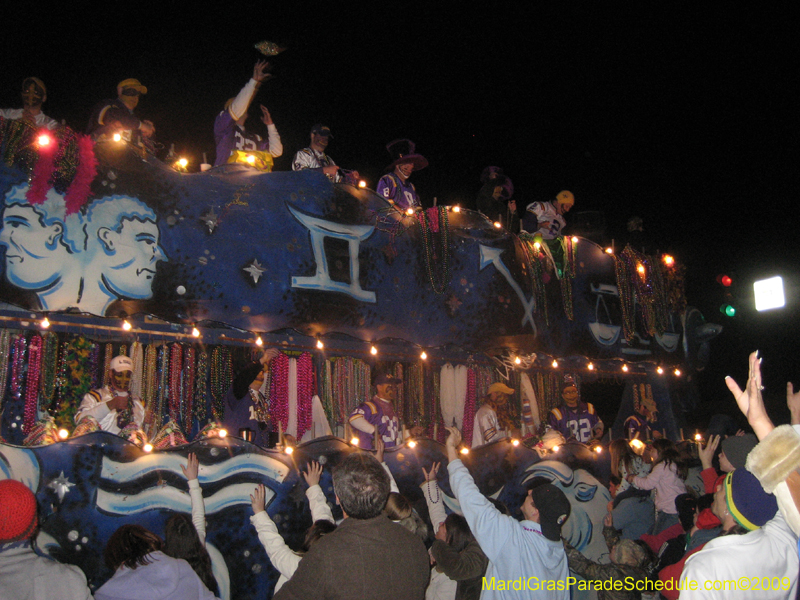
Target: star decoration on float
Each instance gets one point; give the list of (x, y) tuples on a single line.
[(254, 269), (453, 303), (211, 220), (60, 485)]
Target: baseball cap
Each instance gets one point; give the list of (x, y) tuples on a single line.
[(553, 507), (322, 130), (132, 83), (121, 363), (384, 379), (500, 387)]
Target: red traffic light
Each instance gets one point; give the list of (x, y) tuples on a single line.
[(724, 280)]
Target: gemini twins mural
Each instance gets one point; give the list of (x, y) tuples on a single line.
[(91, 485), (268, 251)]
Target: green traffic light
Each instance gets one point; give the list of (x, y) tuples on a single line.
[(728, 310)]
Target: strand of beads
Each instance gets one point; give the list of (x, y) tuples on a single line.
[(175, 363), (221, 379), (305, 390), (94, 371), (163, 380), (567, 276), (137, 357), (49, 369), (149, 389), (107, 362), (200, 392), (18, 365), (439, 284), (326, 392), (188, 389), (533, 263), (60, 378), (279, 390), (31, 412), (469, 407), (5, 352)]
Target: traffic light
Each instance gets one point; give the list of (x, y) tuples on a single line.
[(728, 307)]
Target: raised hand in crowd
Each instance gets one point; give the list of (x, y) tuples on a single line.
[(431, 475), (452, 442), (258, 499), (750, 401), (793, 402), (313, 474), (706, 453), (192, 467)]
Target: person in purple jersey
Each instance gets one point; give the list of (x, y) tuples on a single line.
[(575, 419), (229, 131), (395, 185), (644, 413), (379, 414)]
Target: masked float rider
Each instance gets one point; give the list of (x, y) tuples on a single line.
[(492, 421), (113, 406), (34, 94)]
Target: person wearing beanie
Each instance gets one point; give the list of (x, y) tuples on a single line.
[(741, 505), (733, 456), (492, 421), (24, 574), (113, 406)]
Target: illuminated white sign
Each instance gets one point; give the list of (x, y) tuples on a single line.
[(769, 293)]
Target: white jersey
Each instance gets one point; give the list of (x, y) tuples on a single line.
[(487, 428), (550, 222)]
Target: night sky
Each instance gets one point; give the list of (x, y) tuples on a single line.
[(683, 113)]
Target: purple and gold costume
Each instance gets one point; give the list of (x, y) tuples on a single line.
[(404, 194), (380, 414), (229, 136), (575, 422), (636, 424)]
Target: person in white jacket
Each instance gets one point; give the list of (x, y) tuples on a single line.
[(186, 538), (283, 558)]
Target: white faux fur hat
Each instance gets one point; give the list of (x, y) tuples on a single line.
[(776, 456)]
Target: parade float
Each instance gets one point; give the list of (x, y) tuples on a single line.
[(108, 251)]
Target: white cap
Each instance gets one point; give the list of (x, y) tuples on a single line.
[(121, 363)]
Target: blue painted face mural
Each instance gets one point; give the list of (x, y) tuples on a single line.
[(122, 252), (42, 248)]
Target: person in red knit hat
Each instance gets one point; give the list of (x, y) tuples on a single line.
[(24, 574)]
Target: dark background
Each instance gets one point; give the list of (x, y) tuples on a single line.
[(682, 113)]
